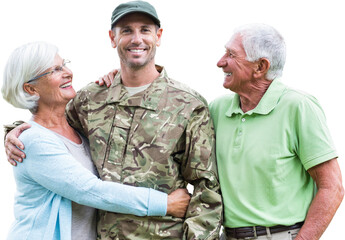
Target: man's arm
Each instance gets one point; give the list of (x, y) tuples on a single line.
[(327, 177), (76, 112), (107, 79), (13, 145), (204, 215)]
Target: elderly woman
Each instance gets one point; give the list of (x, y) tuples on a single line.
[(57, 187)]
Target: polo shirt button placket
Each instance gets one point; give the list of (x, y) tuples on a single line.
[(239, 134)]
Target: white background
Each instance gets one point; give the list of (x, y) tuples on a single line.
[(193, 40)]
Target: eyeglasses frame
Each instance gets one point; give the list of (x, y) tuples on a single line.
[(43, 74)]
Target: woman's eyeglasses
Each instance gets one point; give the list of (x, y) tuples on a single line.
[(57, 69)]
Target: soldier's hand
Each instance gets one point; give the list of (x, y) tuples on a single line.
[(12, 142), (178, 202), (107, 79)]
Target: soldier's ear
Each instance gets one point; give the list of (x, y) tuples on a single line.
[(112, 38), (159, 36)]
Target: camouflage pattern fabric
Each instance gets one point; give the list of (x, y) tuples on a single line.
[(161, 138)]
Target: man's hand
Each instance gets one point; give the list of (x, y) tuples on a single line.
[(330, 193), (178, 202), (107, 79), (11, 141)]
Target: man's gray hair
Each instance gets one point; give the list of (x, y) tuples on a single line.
[(25, 63), (263, 41)]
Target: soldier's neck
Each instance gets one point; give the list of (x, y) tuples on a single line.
[(138, 77)]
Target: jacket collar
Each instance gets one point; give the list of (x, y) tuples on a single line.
[(148, 98)]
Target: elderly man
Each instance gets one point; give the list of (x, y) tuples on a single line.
[(273, 146), (151, 131)]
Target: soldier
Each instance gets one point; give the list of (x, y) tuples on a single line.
[(151, 131)]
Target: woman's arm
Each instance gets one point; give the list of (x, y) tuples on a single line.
[(49, 163)]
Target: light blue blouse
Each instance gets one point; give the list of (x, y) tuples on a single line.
[(50, 178)]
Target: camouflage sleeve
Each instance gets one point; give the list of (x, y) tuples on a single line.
[(204, 215), (9, 127), (76, 112)]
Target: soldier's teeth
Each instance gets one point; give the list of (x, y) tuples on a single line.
[(136, 50)]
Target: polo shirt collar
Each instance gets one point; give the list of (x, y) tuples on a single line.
[(148, 98), (267, 103)]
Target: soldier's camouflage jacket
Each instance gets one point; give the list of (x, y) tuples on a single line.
[(161, 138)]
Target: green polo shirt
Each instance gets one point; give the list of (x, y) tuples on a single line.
[(263, 156)]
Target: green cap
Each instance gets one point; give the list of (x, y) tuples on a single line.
[(131, 7)]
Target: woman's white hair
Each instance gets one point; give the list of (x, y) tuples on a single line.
[(263, 41), (25, 63)]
